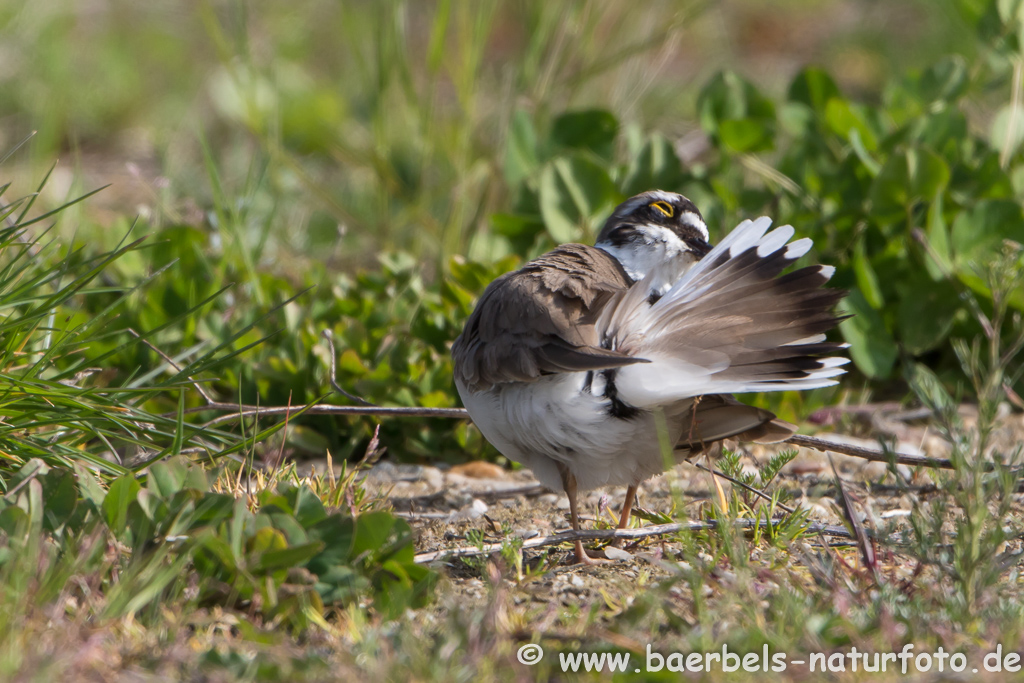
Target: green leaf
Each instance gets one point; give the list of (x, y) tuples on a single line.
[(866, 278), (928, 388), (813, 87), (916, 174), (847, 121), (59, 497), (945, 81), (655, 166), (121, 493), (265, 540), (938, 260), (978, 233), (337, 533), (1007, 130), (745, 135), (306, 505), (286, 558), (167, 477), (516, 225), (592, 129), (372, 531), (88, 486), (871, 346), (521, 159), (728, 97), (573, 193), (925, 312)]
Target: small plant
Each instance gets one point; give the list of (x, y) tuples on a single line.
[(979, 494)]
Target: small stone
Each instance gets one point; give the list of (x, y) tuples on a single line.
[(617, 554), (433, 477), (474, 510), (577, 581)]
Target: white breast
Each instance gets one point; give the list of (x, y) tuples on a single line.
[(639, 258), (553, 420)]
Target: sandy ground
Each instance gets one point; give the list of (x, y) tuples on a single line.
[(461, 506)]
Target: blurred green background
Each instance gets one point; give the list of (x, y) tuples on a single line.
[(389, 158)]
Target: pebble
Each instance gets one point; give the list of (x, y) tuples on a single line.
[(474, 510), (617, 554)]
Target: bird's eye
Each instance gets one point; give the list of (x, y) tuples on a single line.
[(665, 208)]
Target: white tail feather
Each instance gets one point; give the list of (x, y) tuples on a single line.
[(676, 370)]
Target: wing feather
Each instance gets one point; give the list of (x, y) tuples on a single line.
[(542, 319)]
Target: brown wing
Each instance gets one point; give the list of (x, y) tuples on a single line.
[(720, 416), (541, 320)]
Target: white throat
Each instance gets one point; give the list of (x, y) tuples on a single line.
[(640, 257)]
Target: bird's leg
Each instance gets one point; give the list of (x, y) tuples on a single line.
[(569, 484), (627, 509), (718, 486)]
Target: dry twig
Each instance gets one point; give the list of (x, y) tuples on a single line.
[(611, 534)]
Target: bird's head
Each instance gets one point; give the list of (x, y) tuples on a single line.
[(651, 228)]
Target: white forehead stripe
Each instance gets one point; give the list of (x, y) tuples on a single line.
[(633, 204), (694, 221)]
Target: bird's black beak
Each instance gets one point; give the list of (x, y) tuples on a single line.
[(699, 247)]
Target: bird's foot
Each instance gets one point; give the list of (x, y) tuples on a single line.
[(583, 558)]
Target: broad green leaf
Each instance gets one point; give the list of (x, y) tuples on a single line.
[(337, 533), (59, 497), (373, 529), (871, 346), (938, 260), (167, 477), (655, 166), (1007, 130), (121, 493), (925, 312), (1010, 11), (573, 193), (814, 88), (907, 177), (592, 129), (745, 135), (307, 507), (978, 233), (265, 540), (866, 278), (351, 363), (516, 225), (88, 486), (845, 120), (946, 80), (286, 558), (728, 97), (521, 159)]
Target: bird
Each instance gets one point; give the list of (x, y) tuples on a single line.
[(579, 364)]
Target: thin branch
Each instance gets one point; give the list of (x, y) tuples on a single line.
[(243, 411), (329, 336), (610, 534), (170, 362), (869, 453)]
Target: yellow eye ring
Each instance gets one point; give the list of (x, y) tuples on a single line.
[(665, 208)]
